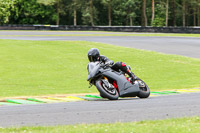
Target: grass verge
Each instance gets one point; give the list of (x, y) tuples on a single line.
[(59, 67), (180, 125)]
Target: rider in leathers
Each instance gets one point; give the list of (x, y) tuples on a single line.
[(94, 55)]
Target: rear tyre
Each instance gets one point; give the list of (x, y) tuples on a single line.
[(105, 92), (144, 90)]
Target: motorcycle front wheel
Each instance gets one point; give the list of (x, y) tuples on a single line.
[(105, 92)]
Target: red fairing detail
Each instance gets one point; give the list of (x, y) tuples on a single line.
[(115, 84), (127, 79), (123, 64)]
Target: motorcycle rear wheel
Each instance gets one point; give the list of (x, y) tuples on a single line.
[(106, 92), (144, 91)]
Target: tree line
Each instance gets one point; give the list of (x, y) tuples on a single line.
[(101, 12)]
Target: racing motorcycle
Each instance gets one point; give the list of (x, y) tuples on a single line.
[(112, 84)]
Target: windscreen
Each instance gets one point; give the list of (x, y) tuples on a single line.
[(91, 66)]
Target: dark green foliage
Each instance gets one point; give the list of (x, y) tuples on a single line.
[(31, 12), (82, 12), (6, 6), (159, 15)]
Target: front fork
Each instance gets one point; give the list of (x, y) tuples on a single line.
[(107, 83)]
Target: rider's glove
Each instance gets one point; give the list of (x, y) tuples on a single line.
[(109, 63)]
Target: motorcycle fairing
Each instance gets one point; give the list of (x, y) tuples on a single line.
[(92, 70), (125, 88)]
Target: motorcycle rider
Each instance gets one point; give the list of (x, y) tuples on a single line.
[(94, 55)]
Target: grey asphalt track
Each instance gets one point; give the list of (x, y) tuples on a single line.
[(185, 46), (153, 108)]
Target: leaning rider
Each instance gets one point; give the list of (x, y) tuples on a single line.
[(94, 55)]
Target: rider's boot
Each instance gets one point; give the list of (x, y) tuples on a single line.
[(125, 69), (132, 75)]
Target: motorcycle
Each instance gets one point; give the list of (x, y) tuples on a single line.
[(112, 84)]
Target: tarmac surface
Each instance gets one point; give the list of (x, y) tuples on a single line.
[(153, 108), (185, 46)]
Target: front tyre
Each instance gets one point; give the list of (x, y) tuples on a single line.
[(144, 89), (110, 93)]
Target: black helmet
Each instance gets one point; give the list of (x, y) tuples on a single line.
[(93, 55)]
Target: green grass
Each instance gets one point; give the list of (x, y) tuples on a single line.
[(181, 125), (58, 67)]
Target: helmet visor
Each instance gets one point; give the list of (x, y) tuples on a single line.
[(93, 58)]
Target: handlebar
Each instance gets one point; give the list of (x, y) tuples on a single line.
[(104, 65)]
